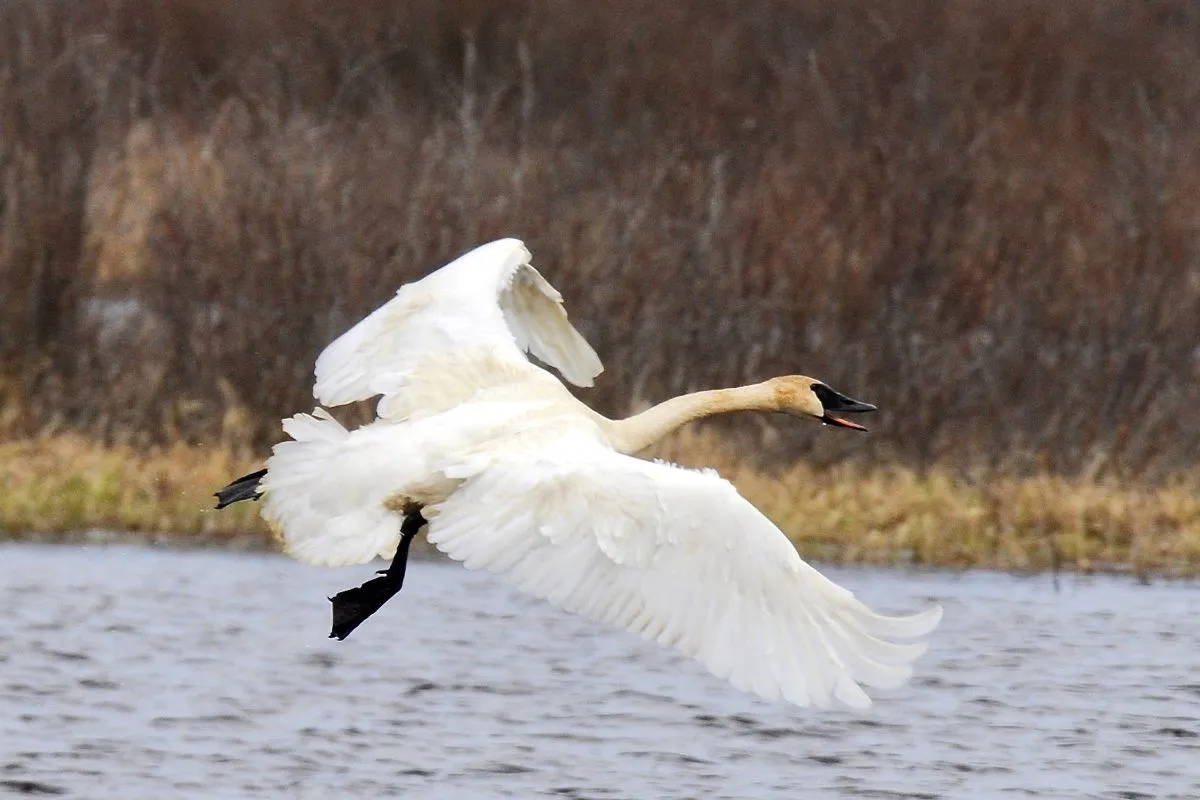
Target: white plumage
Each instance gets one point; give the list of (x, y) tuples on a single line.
[(490, 298), (518, 477)]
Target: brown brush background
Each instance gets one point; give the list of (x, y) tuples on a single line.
[(980, 215)]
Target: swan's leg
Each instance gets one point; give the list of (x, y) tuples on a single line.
[(244, 488), (353, 606)]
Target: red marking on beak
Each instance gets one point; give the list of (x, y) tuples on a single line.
[(829, 419)]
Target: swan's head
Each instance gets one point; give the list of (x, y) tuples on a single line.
[(802, 396)]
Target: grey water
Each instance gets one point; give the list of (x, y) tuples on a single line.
[(141, 673)]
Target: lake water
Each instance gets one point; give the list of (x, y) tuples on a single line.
[(140, 673)]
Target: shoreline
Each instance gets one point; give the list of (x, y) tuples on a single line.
[(70, 490), (260, 544)]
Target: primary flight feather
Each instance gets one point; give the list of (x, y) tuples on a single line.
[(505, 470)]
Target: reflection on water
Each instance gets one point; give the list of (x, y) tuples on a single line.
[(144, 673)]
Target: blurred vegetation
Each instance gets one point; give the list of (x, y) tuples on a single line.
[(981, 216), (67, 484), (56, 488)]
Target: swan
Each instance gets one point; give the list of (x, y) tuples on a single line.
[(505, 470)]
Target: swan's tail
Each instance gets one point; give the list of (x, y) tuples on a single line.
[(326, 492), (244, 488)]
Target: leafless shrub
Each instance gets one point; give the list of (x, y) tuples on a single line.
[(981, 216)]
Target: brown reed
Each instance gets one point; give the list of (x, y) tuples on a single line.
[(71, 488)]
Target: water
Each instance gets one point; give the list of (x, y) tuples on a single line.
[(137, 673)]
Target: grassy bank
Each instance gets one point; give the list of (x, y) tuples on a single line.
[(876, 515)]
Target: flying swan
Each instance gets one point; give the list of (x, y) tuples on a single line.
[(505, 470)]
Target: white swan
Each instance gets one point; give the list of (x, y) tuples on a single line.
[(506, 471)]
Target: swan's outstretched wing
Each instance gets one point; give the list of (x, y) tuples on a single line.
[(490, 299), (681, 558)]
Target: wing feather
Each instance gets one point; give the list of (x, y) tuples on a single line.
[(680, 558), (489, 300)]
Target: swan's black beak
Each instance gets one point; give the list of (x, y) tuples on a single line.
[(832, 401)]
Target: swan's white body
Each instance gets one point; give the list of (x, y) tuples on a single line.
[(518, 477)]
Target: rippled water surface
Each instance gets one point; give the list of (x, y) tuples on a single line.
[(137, 673)]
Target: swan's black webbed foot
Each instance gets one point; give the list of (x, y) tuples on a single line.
[(244, 488), (352, 607)]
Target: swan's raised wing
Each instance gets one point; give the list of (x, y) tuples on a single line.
[(681, 558), (490, 299)]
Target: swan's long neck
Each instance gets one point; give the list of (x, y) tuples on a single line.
[(638, 432)]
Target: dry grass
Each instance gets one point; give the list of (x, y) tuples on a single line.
[(890, 515), (67, 484), (881, 515)]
